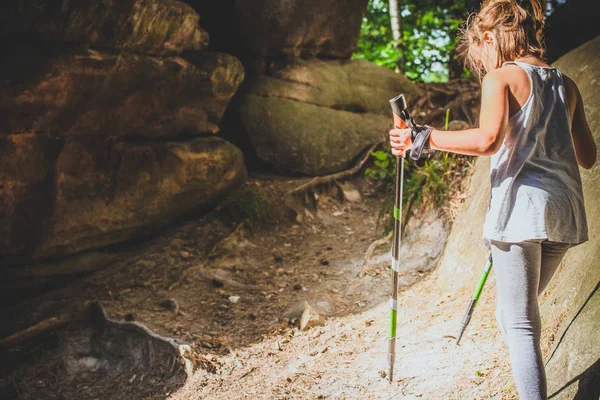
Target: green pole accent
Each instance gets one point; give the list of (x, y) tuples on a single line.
[(482, 280), (393, 318), (397, 213), (475, 298)]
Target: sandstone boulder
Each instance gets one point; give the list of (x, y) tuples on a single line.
[(27, 163), (90, 192), (99, 106), (316, 117), (69, 92), (159, 27), (326, 28)]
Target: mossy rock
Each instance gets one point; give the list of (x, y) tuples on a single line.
[(316, 117), (303, 138), (357, 85)]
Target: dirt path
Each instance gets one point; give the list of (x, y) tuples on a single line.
[(224, 291)]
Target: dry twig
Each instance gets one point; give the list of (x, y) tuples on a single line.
[(370, 251)]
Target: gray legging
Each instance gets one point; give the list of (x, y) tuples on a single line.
[(522, 272)]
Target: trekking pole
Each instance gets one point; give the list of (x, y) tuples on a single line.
[(475, 298), (398, 105)]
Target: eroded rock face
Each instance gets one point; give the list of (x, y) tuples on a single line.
[(570, 306), (27, 163), (70, 92), (315, 117), (94, 191), (106, 142), (157, 27), (284, 29)]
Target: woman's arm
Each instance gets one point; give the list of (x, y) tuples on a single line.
[(481, 141), (585, 147), (493, 117)]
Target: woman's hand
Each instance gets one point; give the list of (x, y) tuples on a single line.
[(400, 141)]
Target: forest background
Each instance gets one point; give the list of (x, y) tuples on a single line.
[(418, 37)]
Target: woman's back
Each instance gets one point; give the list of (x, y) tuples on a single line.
[(536, 186)]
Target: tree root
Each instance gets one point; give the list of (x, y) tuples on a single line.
[(41, 328), (319, 180), (370, 250), (185, 274)]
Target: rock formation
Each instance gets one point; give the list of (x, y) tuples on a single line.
[(156, 27), (305, 107), (101, 140), (283, 29), (314, 117)]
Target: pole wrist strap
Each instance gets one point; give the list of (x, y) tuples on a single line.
[(420, 139)]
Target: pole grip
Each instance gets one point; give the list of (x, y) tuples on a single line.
[(398, 105)]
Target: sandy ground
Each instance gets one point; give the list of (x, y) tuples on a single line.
[(346, 358)]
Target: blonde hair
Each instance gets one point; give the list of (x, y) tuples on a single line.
[(517, 25)]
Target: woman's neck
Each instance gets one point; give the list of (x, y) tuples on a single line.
[(533, 60)]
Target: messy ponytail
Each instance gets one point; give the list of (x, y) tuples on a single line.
[(517, 25)]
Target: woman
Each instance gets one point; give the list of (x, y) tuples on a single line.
[(533, 125)]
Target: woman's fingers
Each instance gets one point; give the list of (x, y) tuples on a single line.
[(400, 141), (402, 134)]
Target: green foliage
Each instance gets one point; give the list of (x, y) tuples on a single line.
[(429, 36), (384, 166), (251, 206), (428, 183)]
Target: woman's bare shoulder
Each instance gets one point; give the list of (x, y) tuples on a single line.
[(511, 74), (572, 92), (570, 85)]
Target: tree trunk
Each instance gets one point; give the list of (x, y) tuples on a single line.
[(395, 21), (396, 25), (455, 67)]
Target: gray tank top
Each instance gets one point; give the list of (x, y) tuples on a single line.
[(536, 186)]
